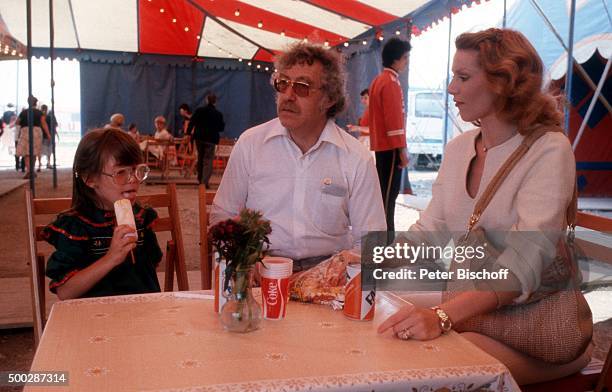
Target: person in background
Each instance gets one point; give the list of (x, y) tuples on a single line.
[(363, 128), (94, 257), (116, 121), (205, 126), (161, 133), (185, 112), (8, 118), (387, 124), (47, 148), (133, 132), (39, 125), (315, 183)]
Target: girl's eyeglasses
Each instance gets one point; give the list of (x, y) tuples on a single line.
[(301, 89), (125, 175)]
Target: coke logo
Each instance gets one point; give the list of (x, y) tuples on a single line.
[(272, 297)]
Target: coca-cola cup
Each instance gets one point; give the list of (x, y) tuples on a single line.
[(275, 273)]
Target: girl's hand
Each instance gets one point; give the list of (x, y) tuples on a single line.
[(124, 240), (413, 322)]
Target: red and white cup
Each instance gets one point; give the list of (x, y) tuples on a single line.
[(220, 299), (358, 304), (275, 273)]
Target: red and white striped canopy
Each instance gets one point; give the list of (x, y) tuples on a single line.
[(248, 29)]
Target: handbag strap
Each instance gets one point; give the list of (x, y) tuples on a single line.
[(503, 172)]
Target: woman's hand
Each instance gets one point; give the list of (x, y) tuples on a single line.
[(413, 322), (123, 241)]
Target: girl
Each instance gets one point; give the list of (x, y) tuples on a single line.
[(95, 257)]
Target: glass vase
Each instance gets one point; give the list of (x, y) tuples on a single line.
[(241, 313)]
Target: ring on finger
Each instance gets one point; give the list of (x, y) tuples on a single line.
[(404, 334)]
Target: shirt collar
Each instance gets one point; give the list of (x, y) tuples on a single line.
[(392, 71), (330, 134)]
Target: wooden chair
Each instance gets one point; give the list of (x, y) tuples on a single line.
[(222, 154), (594, 222), (187, 157), (175, 253), (205, 200), (155, 147), (597, 382)]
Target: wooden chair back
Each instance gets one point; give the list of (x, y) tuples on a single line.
[(222, 154), (594, 222), (187, 156), (37, 207), (205, 200)]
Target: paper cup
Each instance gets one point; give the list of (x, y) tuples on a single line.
[(358, 304), (275, 274)]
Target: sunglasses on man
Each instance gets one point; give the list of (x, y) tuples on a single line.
[(301, 89)]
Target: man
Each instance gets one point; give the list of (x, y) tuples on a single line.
[(205, 126), (116, 121), (315, 183), (387, 123)]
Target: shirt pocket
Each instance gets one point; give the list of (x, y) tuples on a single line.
[(330, 215)]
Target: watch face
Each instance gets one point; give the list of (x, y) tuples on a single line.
[(446, 325)]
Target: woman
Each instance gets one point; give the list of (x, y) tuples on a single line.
[(497, 85), (39, 121)]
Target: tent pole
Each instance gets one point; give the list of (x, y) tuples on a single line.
[(505, 11), (448, 50), (17, 90), (31, 156), (570, 68), (579, 67), (587, 116), (51, 114)]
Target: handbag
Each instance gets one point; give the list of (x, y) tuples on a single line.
[(555, 324)]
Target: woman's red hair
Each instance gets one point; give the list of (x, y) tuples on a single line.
[(514, 71)]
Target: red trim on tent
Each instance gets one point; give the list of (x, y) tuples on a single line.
[(158, 34), (251, 16), (356, 11), (264, 55)]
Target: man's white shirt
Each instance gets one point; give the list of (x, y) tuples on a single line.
[(319, 202)]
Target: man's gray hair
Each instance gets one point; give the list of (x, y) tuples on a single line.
[(333, 77)]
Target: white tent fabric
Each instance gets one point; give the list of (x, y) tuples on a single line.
[(249, 29)]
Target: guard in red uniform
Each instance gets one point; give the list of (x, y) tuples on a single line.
[(387, 124)]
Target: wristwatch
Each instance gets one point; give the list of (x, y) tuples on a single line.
[(445, 322)]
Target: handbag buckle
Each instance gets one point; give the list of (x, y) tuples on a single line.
[(471, 223)]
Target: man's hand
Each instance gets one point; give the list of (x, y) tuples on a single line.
[(403, 155)]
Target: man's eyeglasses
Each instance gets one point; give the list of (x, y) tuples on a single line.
[(125, 175), (301, 89)]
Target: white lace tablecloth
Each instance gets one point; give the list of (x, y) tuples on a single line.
[(175, 342)]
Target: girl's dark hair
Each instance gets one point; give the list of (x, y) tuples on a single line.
[(95, 149)]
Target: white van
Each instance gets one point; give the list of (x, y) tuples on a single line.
[(425, 127)]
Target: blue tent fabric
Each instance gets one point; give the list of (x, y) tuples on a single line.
[(591, 18), (143, 91)]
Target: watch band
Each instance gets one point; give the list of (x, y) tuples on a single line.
[(445, 322)]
